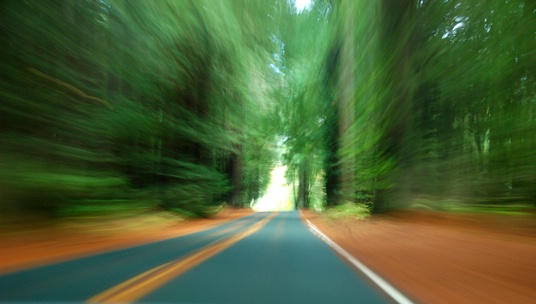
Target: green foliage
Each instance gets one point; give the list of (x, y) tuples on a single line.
[(348, 210), (419, 99), (184, 105), (109, 101), (464, 137), (506, 209)]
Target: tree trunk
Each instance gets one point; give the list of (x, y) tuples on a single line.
[(303, 186), (397, 120), (236, 179), (347, 107)]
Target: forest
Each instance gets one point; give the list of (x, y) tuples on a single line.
[(185, 105)]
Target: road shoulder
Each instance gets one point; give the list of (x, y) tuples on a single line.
[(28, 246), (443, 258)]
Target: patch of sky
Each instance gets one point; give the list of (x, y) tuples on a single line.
[(302, 5), (278, 56), (275, 68)]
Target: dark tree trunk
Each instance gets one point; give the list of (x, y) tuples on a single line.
[(303, 186), (396, 20)]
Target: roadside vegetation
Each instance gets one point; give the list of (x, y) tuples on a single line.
[(348, 210)]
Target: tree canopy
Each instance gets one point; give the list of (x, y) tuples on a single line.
[(181, 105)]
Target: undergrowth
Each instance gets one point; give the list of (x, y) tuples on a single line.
[(348, 210)]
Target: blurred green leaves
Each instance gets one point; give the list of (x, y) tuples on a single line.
[(185, 105), (131, 101), (420, 99)]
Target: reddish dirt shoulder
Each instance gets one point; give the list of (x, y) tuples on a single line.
[(27, 246), (442, 257)]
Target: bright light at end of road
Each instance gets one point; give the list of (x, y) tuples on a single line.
[(278, 195)]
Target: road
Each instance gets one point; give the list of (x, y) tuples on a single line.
[(262, 258)]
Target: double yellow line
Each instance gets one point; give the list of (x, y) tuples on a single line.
[(143, 284)]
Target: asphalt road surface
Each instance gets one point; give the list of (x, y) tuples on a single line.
[(261, 258)]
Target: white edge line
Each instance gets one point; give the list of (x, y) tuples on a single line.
[(386, 287)]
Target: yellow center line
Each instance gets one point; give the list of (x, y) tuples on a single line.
[(234, 226), (150, 280)]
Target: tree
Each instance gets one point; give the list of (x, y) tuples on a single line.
[(138, 101)]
